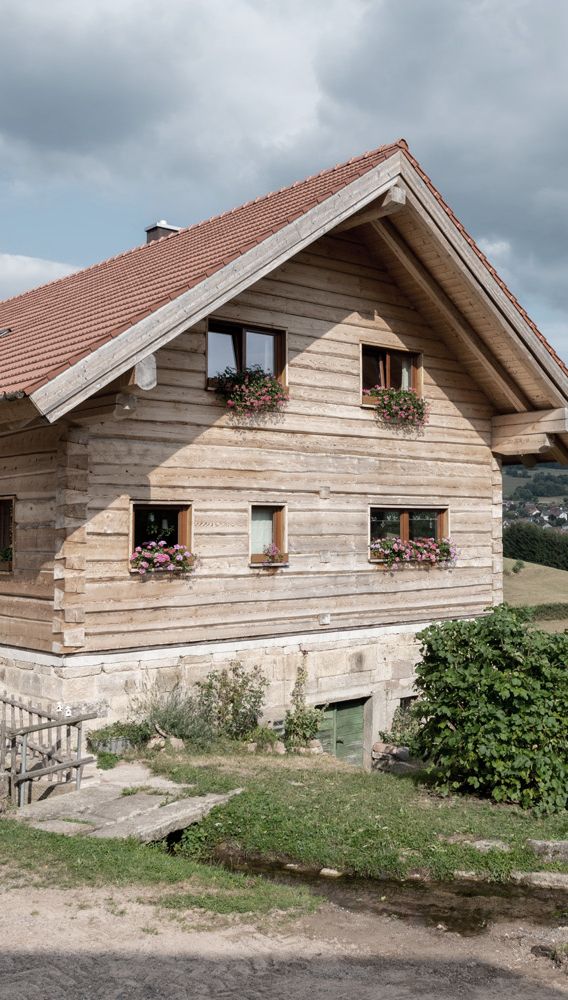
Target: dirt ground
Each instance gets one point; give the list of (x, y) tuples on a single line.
[(85, 944)]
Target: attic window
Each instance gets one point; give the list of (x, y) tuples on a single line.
[(239, 347), (388, 369), (5, 330)]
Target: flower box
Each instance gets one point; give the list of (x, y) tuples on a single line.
[(251, 391), (159, 557), (396, 553), (398, 407), (260, 559)]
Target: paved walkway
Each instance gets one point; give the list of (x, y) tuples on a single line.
[(128, 801)]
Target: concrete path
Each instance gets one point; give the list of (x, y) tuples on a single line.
[(128, 801)]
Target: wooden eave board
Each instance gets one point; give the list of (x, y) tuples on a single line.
[(510, 325), (429, 231), (525, 373), (109, 361), (436, 322)]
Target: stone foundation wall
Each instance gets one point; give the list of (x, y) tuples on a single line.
[(368, 663)]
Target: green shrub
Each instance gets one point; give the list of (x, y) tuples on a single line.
[(106, 761), (495, 699), (548, 612), (264, 737), (177, 712), (231, 700), (518, 566), (134, 734), (226, 705), (528, 542), (405, 726), (302, 723)]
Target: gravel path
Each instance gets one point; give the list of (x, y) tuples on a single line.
[(115, 945)]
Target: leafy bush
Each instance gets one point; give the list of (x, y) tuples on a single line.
[(264, 737), (177, 712), (231, 700), (302, 723), (518, 566), (136, 734), (495, 699), (106, 761), (528, 542), (548, 612), (405, 726)]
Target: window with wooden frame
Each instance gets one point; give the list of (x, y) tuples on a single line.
[(268, 542), (6, 534), (389, 370), (409, 524), (240, 347), (161, 522)]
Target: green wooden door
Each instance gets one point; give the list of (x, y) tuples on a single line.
[(341, 731)]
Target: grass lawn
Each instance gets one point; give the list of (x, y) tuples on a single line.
[(318, 812), (534, 584), (28, 855), (541, 587)]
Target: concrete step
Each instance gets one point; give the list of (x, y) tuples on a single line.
[(152, 808), (158, 824)]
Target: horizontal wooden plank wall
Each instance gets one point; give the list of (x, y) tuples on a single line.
[(182, 445), (446, 272), (28, 461)]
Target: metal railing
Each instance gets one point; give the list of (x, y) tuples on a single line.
[(37, 742)]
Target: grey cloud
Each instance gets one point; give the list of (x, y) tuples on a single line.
[(191, 106)]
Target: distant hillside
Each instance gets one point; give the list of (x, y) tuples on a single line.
[(539, 586), (534, 584), (547, 480), (546, 546)]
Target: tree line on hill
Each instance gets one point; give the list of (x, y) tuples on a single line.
[(541, 484), (530, 543)]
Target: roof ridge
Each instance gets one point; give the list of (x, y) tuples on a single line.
[(203, 222)]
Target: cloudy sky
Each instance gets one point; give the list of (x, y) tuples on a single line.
[(114, 113)]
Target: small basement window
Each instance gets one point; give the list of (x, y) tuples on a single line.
[(157, 522), (268, 535), (409, 525), (388, 369), (240, 347), (6, 534)]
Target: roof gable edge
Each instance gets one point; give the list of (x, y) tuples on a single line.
[(538, 355), (91, 373)]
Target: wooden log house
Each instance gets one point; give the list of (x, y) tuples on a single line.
[(110, 423)]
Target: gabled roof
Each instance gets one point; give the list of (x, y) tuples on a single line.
[(55, 325), (87, 328)]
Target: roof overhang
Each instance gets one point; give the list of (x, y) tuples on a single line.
[(358, 202), (112, 359)]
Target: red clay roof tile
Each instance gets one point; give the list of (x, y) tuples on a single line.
[(54, 326)]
